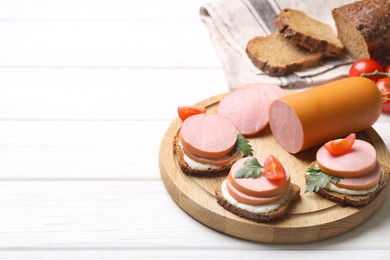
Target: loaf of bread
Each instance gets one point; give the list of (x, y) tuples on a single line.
[(364, 29), (307, 32)]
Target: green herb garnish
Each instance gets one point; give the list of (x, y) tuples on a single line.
[(242, 146), (317, 179), (252, 169)]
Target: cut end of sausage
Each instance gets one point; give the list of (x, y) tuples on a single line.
[(286, 126)]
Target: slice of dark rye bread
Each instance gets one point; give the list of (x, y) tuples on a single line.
[(190, 171), (260, 217), (357, 201), (307, 32), (277, 56)]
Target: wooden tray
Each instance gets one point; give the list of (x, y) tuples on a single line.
[(311, 219)]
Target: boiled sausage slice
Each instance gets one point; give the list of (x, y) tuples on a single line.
[(259, 187), (247, 199), (361, 183), (315, 116), (271, 90), (360, 160), (221, 161), (208, 135), (247, 109)]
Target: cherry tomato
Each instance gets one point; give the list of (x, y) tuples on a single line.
[(387, 70), (185, 112), (273, 169), (340, 146), (384, 86), (365, 66)]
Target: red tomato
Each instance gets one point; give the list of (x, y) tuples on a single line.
[(273, 169), (384, 86), (365, 66), (341, 146), (185, 112)]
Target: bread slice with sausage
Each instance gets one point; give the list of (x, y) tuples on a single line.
[(308, 32), (347, 172), (251, 193), (357, 201), (208, 144), (278, 56), (260, 217), (187, 169)]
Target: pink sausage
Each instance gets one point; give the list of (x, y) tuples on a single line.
[(271, 90), (208, 135), (361, 183), (247, 199), (259, 187), (247, 109), (312, 117), (360, 160)]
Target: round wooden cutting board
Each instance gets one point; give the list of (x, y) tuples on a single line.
[(312, 218)]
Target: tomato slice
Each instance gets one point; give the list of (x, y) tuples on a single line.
[(185, 112), (340, 146), (273, 169)]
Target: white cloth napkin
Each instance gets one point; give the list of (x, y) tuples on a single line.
[(232, 23)]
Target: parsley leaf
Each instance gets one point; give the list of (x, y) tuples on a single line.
[(317, 179), (252, 169), (242, 146)]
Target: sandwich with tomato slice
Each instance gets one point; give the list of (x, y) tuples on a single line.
[(347, 172), (208, 144), (258, 189)]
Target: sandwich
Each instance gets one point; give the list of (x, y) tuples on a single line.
[(346, 171), (258, 189), (208, 145)]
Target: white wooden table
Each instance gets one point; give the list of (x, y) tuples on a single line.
[(87, 90)]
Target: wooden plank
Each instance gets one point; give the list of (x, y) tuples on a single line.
[(99, 94), (101, 10), (74, 216), (191, 254), (79, 150), (102, 44)]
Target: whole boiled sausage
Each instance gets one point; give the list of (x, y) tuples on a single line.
[(334, 110)]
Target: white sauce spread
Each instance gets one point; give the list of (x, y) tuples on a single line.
[(199, 166), (345, 191), (253, 208), (204, 166)]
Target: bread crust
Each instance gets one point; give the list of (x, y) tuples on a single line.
[(190, 171), (310, 42), (357, 201), (260, 217)]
